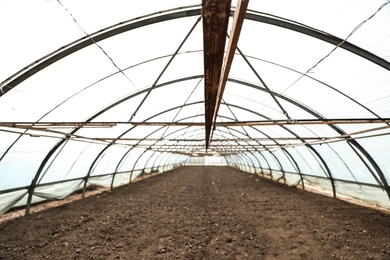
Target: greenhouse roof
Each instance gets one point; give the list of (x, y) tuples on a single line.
[(101, 92)]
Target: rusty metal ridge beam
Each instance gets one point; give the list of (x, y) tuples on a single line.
[(215, 16), (238, 20)]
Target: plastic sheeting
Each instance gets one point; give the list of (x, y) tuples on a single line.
[(108, 91)]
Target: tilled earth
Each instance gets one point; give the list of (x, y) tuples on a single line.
[(200, 213)]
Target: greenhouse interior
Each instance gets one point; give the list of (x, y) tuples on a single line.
[(101, 93)]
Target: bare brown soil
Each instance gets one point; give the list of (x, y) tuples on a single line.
[(200, 213)]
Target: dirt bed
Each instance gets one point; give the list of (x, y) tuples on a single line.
[(200, 213)]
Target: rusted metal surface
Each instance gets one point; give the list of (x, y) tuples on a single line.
[(238, 21), (215, 15)]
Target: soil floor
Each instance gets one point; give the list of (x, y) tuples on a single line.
[(200, 213)]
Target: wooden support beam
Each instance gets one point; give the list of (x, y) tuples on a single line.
[(215, 16)]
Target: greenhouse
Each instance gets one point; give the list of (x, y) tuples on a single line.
[(97, 98), (103, 93)]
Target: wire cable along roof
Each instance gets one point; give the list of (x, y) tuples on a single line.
[(100, 93)]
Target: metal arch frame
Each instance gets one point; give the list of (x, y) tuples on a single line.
[(257, 160), (52, 151), (154, 165), (346, 165), (158, 158), (273, 155), (136, 23), (98, 157), (318, 81), (178, 107), (266, 161), (125, 132), (118, 165), (268, 90), (230, 134), (280, 166), (250, 17), (354, 142), (171, 160), (177, 162), (276, 159), (247, 155), (229, 161), (290, 157), (112, 74), (269, 167), (163, 161), (137, 160), (334, 127), (148, 160), (327, 169), (139, 157), (62, 141), (54, 148), (183, 12), (132, 24), (154, 152), (240, 159), (323, 161), (321, 35), (155, 160), (323, 83), (359, 104), (184, 159), (270, 138), (162, 152), (244, 162), (158, 114), (93, 38), (264, 18), (232, 160), (246, 134)]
